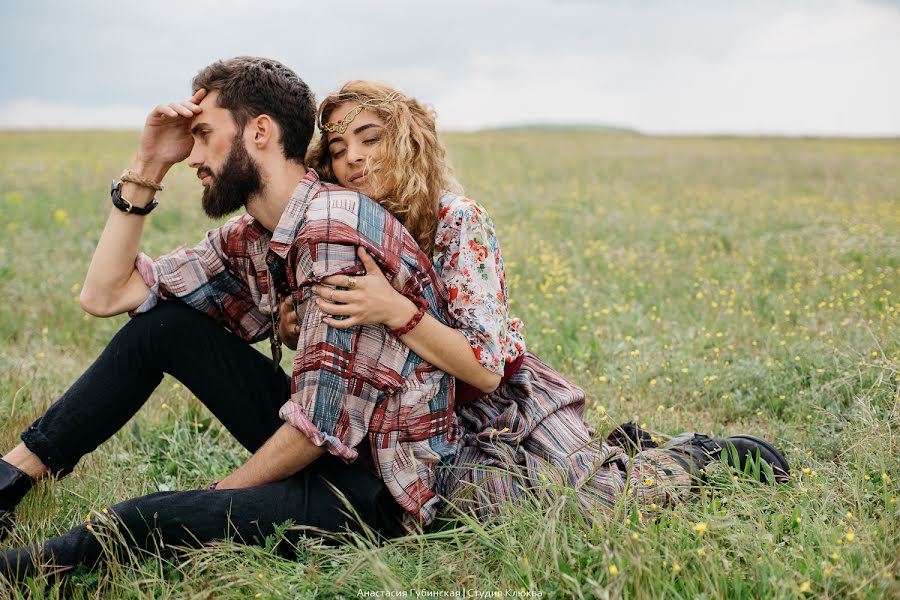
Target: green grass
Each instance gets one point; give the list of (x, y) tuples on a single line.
[(718, 285)]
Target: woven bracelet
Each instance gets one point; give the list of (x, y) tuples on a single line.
[(131, 176), (412, 322)]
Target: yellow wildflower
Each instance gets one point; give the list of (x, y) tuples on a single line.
[(700, 527)]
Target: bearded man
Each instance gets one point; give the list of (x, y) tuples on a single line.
[(360, 418)]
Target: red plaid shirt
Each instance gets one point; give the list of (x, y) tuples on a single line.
[(347, 385)]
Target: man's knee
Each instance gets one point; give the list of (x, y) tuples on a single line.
[(168, 324)]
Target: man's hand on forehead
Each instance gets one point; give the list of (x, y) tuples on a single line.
[(166, 138)]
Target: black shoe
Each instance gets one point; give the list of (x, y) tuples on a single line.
[(14, 484), (695, 451), (631, 438)]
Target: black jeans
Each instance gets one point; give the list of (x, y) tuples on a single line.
[(244, 391)]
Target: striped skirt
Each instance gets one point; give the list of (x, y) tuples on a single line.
[(529, 437)]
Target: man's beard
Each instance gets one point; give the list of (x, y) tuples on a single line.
[(237, 180)]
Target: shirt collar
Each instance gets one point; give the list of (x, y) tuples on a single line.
[(292, 218)]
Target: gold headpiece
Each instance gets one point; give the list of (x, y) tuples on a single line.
[(348, 118)]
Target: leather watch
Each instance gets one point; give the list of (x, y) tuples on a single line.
[(124, 205)]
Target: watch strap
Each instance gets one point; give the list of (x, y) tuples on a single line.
[(127, 207)]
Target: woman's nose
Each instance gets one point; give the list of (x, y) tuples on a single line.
[(354, 154)]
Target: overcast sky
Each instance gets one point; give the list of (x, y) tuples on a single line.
[(705, 66)]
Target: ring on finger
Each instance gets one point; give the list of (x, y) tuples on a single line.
[(351, 282), (331, 297)]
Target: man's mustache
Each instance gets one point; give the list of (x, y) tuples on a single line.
[(204, 171)]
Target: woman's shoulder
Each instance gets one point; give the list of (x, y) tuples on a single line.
[(461, 211)]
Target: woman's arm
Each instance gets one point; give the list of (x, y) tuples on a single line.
[(373, 300), (444, 347)]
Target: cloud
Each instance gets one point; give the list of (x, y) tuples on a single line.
[(659, 65), (36, 114)]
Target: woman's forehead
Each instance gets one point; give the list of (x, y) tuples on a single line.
[(349, 116)]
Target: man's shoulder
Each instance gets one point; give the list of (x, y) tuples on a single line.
[(331, 195), (337, 215), (339, 207)]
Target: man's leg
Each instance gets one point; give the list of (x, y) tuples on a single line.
[(246, 515), (238, 384)]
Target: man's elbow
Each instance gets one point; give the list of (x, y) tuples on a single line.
[(94, 304)]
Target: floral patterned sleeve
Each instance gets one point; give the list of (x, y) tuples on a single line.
[(472, 269)]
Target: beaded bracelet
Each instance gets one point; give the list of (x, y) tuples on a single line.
[(422, 303)]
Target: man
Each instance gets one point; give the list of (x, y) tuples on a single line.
[(360, 416)]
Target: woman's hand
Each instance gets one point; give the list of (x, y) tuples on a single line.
[(368, 299), (288, 327)]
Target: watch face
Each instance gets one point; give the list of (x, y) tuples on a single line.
[(112, 186)]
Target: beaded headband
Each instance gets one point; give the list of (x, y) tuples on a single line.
[(348, 118)]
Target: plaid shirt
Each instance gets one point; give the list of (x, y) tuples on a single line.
[(347, 385)]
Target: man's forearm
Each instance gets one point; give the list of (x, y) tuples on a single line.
[(112, 285), (284, 454)]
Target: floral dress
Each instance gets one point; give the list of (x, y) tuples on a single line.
[(530, 431)]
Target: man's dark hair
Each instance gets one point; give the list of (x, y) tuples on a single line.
[(250, 86)]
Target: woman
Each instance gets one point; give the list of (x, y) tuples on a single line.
[(521, 421)]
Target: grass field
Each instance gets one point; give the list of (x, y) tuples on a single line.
[(718, 285)]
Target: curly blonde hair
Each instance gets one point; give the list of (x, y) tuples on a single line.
[(413, 169)]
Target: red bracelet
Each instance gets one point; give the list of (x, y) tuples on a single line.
[(423, 306)]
